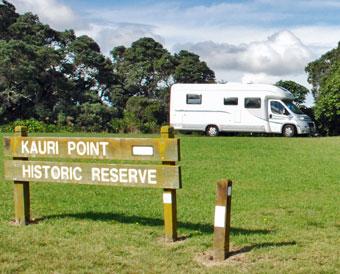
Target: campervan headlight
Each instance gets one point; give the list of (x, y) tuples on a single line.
[(303, 118)]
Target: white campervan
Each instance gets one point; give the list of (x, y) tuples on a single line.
[(236, 107)]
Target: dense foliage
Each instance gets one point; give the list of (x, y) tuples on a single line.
[(64, 80), (324, 75)]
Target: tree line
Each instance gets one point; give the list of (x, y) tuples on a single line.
[(64, 81), (59, 78)]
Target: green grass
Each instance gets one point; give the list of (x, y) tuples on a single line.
[(285, 215)]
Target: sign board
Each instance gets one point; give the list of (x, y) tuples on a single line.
[(152, 176), (49, 166), (160, 149)]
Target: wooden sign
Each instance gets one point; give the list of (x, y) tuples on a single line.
[(93, 148), (153, 176), (166, 175)]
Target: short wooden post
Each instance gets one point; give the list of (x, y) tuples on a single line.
[(21, 189), (222, 220), (169, 197)]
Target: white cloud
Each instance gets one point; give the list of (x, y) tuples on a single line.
[(280, 54), (111, 35), (259, 78), (52, 12)]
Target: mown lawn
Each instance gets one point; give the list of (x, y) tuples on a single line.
[(285, 215)]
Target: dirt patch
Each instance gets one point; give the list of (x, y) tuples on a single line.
[(33, 221), (236, 256), (180, 240)]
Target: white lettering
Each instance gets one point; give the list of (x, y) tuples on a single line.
[(42, 147), (105, 172), (76, 176), (93, 149), (39, 147), (81, 148), (104, 145), (95, 174), (37, 172), (64, 171), (123, 175), (71, 146), (34, 149), (51, 148), (26, 171), (142, 175), (24, 148), (114, 175), (133, 176), (152, 175), (46, 170), (55, 173)]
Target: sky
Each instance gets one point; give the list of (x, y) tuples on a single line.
[(258, 41)]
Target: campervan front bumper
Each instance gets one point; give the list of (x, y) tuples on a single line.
[(306, 128)]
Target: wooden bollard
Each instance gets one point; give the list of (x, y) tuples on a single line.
[(169, 198), (222, 220), (21, 189)]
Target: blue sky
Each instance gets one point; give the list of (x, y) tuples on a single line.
[(248, 41), (287, 13)]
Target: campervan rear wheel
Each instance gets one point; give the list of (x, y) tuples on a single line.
[(211, 131), (288, 131)]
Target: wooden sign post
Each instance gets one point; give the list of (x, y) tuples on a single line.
[(169, 196), (222, 220), (166, 176), (21, 189)]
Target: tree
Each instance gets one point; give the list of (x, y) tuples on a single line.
[(324, 75), (49, 75), (189, 69), (321, 68), (142, 70), (296, 89), (144, 114), (327, 109), (147, 69), (7, 17)]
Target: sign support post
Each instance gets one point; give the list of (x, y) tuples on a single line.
[(21, 189), (222, 220), (169, 197)]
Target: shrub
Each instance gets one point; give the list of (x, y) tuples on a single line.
[(144, 114), (34, 126)]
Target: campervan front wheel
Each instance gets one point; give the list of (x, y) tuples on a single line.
[(211, 130), (288, 131)]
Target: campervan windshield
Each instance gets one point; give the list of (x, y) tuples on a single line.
[(292, 107)]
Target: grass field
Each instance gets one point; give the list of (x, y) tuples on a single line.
[(285, 215)]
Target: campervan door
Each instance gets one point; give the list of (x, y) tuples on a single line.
[(253, 112)]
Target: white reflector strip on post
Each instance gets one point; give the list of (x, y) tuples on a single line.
[(219, 216), (229, 190), (167, 198)]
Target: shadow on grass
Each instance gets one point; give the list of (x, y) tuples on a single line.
[(105, 217), (260, 245)]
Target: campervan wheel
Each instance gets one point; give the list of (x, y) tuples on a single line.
[(212, 130), (288, 131)]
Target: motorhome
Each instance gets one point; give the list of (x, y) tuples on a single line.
[(236, 107)]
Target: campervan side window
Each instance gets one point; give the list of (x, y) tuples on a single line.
[(194, 99), (231, 101), (252, 102)]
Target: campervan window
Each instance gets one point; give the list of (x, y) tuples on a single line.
[(277, 108), (252, 102), (194, 99), (231, 101)]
